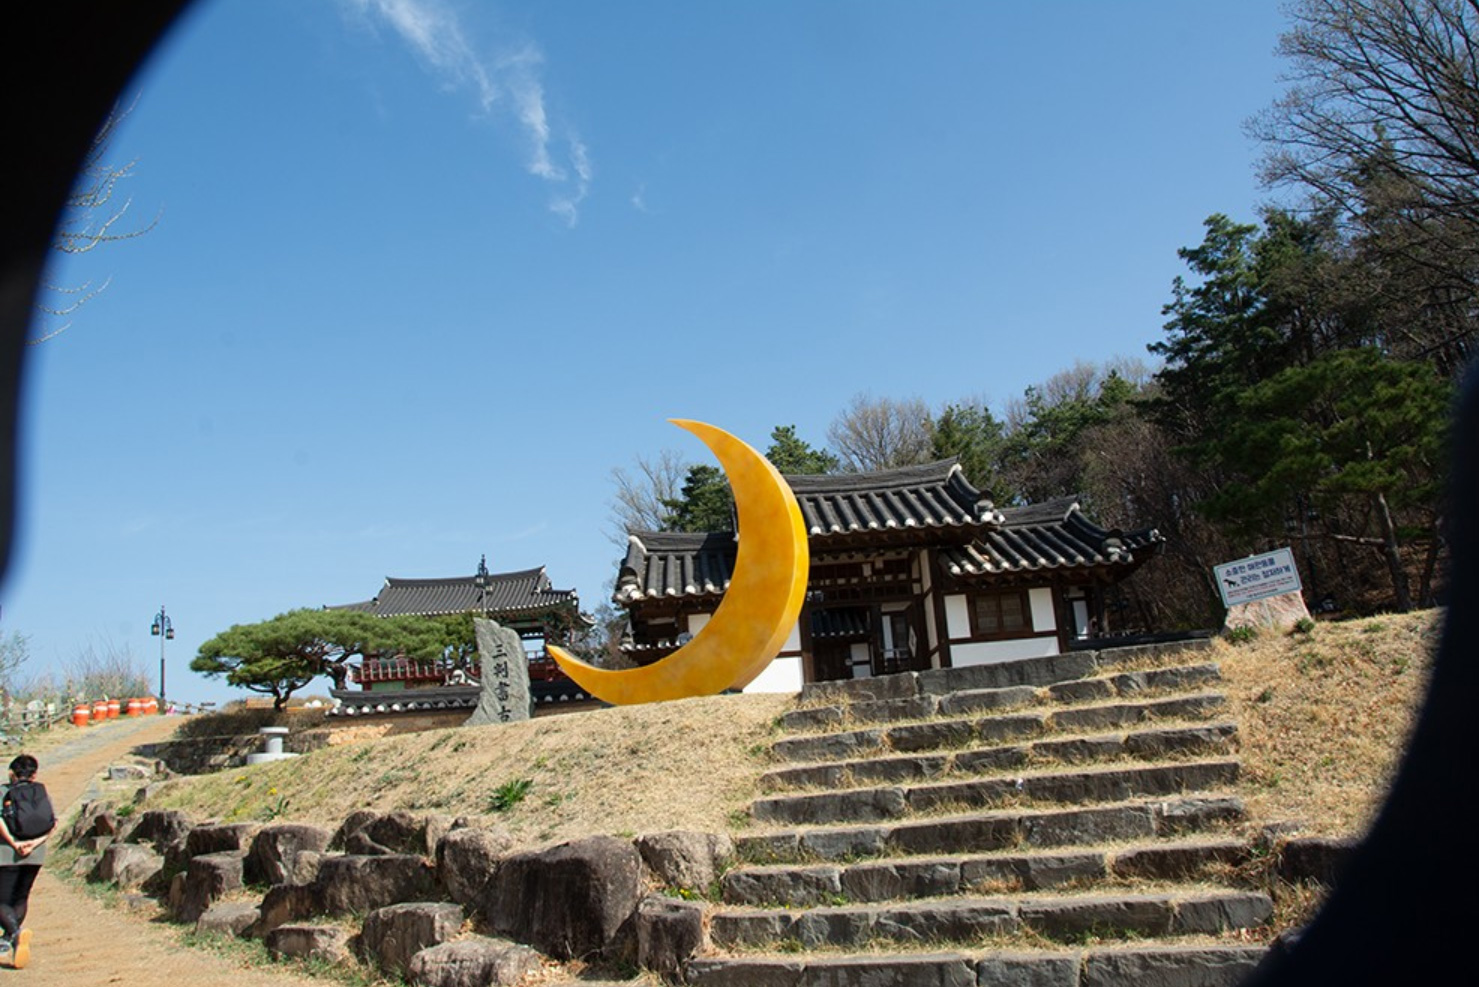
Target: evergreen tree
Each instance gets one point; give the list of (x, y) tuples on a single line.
[(970, 432)]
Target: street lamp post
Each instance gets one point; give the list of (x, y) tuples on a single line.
[(481, 582), (165, 631)]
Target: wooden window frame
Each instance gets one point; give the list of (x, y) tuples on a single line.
[(973, 600)]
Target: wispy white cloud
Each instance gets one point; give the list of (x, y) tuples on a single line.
[(510, 80)]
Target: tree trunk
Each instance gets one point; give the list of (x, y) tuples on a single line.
[(1392, 552)]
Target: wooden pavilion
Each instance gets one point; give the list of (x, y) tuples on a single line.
[(911, 569), (525, 601)]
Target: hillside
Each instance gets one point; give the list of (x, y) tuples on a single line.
[(1323, 719)]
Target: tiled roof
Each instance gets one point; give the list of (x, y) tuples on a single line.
[(840, 622), (1051, 535), (507, 594), (670, 563), (933, 495)]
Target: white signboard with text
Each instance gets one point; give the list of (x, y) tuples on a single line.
[(1257, 577)]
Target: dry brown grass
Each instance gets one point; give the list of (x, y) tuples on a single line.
[(1324, 717), (689, 764)]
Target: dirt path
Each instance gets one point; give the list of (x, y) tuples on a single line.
[(79, 939)]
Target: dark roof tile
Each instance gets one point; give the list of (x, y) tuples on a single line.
[(932, 495), (1053, 534), (507, 594)]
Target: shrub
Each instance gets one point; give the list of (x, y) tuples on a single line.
[(1242, 635)]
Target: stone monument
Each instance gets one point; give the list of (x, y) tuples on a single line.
[(505, 673)]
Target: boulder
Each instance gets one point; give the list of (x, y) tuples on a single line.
[(274, 852), (684, 859), (126, 772), (228, 918), (220, 838), (305, 867), (466, 859), (569, 901), (83, 866), (392, 935), (175, 897), (352, 824), (473, 962), (96, 818), (286, 904), (399, 832), (326, 943), (361, 844), (161, 829), (206, 879), (359, 884), (128, 865), (669, 933)]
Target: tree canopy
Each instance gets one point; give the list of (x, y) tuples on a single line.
[(282, 655), (705, 502)]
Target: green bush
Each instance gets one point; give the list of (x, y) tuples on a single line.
[(1242, 635), (509, 794)]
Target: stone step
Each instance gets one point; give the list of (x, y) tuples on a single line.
[(1201, 738), (807, 885), (1136, 965), (918, 707), (1003, 829), (963, 732), (1058, 917), (1042, 671), (1082, 786)]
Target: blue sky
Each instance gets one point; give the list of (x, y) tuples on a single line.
[(425, 272)]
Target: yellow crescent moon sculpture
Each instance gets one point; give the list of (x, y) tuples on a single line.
[(758, 610)]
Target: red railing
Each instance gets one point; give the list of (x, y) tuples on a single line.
[(542, 668)]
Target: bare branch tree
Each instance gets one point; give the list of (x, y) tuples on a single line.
[(1380, 123), (94, 215), (639, 501), (881, 433), (1390, 80), (15, 651)]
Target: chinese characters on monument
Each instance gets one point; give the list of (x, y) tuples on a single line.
[(505, 675)]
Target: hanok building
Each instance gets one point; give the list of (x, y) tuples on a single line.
[(911, 569), (524, 601)]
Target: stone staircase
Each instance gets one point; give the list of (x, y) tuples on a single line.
[(1070, 821)]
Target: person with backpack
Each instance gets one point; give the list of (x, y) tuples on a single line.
[(26, 818)]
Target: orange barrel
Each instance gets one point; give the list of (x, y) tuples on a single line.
[(114, 706), (80, 715), (151, 706), (99, 711), (135, 707)]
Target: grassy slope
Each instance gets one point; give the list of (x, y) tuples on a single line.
[(1323, 719)]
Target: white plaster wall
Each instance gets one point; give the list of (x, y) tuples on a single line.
[(793, 640), (1041, 602), (781, 675), (985, 652), (957, 617), (862, 667), (696, 621)]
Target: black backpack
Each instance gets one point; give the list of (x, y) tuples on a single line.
[(27, 810)]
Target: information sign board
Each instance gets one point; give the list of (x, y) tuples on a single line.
[(1257, 577)]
